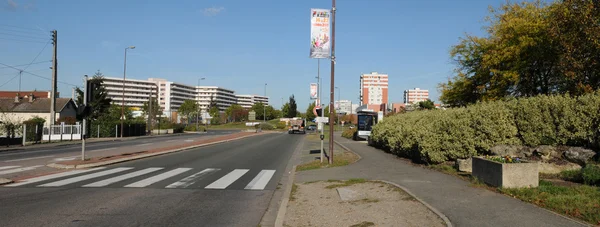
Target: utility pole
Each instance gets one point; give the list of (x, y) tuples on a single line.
[(123, 98), (319, 93), (332, 87), (54, 75), (150, 112), (83, 130), (20, 75), (265, 106)]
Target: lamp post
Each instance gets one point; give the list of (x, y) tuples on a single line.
[(264, 106), (198, 103), (123, 98)]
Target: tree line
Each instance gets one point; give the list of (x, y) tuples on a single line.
[(531, 48)]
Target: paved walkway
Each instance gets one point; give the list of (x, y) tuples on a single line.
[(462, 204)]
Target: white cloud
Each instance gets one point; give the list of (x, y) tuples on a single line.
[(212, 11)]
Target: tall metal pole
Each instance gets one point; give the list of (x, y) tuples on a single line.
[(319, 93), (150, 111), (198, 104), (54, 75), (332, 95), (265, 106), (123, 98), (83, 130)]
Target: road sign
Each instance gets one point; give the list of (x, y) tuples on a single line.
[(322, 119), (252, 116)]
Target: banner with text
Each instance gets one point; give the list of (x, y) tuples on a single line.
[(319, 33), (313, 91)]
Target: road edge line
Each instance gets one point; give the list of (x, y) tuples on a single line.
[(437, 212), (115, 161), (285, 199), (4, 181)]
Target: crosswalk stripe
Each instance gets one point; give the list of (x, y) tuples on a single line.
[(19, 169), (9, 167), (53, 176), (185, 182), (261, 180), (85, 177), (122, 177), (228, 179), (157, 178)]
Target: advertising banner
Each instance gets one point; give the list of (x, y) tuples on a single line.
[(319, 33), (313, 91)]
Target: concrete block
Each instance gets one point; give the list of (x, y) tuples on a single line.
[(506, 175), (465, 165), (347, 194)]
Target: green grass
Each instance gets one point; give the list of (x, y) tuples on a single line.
[(582, 201), (363, 224), (347, 183), (365, 201), (341, 158)]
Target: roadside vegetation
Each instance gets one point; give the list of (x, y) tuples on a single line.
[(341, 157)]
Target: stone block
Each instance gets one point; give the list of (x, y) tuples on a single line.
[(464, 165), (506, 175)]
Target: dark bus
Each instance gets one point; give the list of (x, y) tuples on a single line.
[(366, 120)]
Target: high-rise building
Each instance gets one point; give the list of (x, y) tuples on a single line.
[(415, 95), (247, 101), (373, 88), (137, 92), (223, 97), (343, 106), (171, 95)]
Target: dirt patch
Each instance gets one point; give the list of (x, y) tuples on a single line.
[(378, 204)]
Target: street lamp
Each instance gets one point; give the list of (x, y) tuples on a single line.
[(198, 103), (123, 98), (264, 106)]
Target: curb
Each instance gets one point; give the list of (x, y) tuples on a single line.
[(285, 199), (4, 181), (348, 149), (438, 213), (110, 162)]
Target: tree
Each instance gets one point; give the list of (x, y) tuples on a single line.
[(531, 48), (285, 110), (100, 103), (188, 107), (236, 113), (426, 105), (309, 112), (215, 114), (156, 109), (326, 113), (292, 111)]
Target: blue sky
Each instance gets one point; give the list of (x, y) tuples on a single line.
[(237, 44)]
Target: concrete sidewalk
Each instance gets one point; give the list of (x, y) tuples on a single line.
[(462, 204)]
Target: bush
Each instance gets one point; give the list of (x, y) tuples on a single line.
[(349, 133), (265, 126), (192, 128), (437, 136), (591, 174), (281, 125), (178, 128)]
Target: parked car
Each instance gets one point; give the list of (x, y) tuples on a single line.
[(312, 127)]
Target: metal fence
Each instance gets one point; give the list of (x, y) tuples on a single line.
[(61, 132)]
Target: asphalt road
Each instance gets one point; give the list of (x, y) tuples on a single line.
[(228, 184), (33, 161)]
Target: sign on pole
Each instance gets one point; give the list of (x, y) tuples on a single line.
[(319, 33), (252, 116), (313, 91), (322, 120)]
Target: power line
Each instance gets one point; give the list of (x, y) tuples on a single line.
[(36, 70), (39, 62), (22, 36), (12, 26), (24, 32), (18, 40), (33, 74), (44, 48), (10, 80)]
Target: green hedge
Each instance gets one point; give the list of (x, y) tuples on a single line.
[(436, 136)]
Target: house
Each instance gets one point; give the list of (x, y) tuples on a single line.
[(22, 94), (18, 109)]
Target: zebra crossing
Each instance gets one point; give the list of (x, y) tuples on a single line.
[(154, 177), (5, 170)]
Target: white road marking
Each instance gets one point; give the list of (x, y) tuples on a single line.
[(228, 179), (23, 159), (9, 167), (185, 182), (169, 140), (66, 158), (53, 176), (122, 177), (157, 178), (105, 149), (189, 140), (19, 170), (84, 177), (143, 144), (261, 180)]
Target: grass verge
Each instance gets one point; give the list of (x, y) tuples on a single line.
[(342, 158), (576, 200), (345, 183), (363, 224), (294, 190)]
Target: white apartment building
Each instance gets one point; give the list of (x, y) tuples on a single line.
[(172, 95), (222, 96), (343, 106), (136, 91), (247, 101), (415, 95)]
